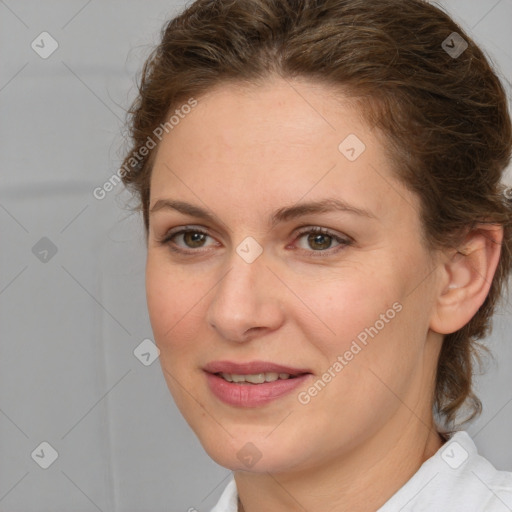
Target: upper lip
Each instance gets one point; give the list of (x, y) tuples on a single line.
[(251, 367)]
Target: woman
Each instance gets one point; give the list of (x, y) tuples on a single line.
[(327, 239)]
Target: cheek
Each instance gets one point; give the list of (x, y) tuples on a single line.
[(347, 307), (380, 330), (173, 302), (369, 320), (174, 307)]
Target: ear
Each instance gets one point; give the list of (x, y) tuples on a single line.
[(466, 277)]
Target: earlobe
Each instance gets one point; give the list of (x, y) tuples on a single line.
[(467, 278)]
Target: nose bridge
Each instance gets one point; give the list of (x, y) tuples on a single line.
[(243, 298)]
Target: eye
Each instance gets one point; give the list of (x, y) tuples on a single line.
[(321, 240), (186, 239), (314, 240)]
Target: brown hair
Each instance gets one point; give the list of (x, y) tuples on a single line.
[(445, 115)]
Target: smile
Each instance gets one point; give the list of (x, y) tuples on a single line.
[(252, 384), (255, 378)]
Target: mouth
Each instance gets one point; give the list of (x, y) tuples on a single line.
[(253, 372), (255, 378), (254, 383)]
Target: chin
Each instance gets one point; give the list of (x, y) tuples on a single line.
[(253, 453)]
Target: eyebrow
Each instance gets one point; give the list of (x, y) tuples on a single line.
[(281, 215)]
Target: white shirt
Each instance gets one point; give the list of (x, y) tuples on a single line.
[(455, 479)]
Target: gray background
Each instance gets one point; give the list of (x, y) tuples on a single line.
[(70, 323)]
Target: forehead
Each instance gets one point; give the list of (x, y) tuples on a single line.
[(278, 114), (273, 143)]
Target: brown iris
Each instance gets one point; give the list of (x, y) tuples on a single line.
[(319, 241), (194, 239)]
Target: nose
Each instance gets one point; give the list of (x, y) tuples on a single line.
[(245, 303)]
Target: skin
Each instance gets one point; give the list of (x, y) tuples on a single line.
[(243, 153)]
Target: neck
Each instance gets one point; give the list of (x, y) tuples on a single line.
[(361, 480)]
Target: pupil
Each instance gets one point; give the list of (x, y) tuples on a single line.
[(319, 241), (194, 239)]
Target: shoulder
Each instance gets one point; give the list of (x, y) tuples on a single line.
[(456, 478), (478, 478)]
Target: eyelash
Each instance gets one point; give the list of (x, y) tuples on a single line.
[(343, 242)]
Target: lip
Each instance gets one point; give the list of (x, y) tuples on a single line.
[(246, 395), (251, 367)]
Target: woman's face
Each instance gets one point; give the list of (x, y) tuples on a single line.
[(281, 243)]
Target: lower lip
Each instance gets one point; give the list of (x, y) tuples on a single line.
[(252, 395)]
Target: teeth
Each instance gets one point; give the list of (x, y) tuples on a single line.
[(256, 378)]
